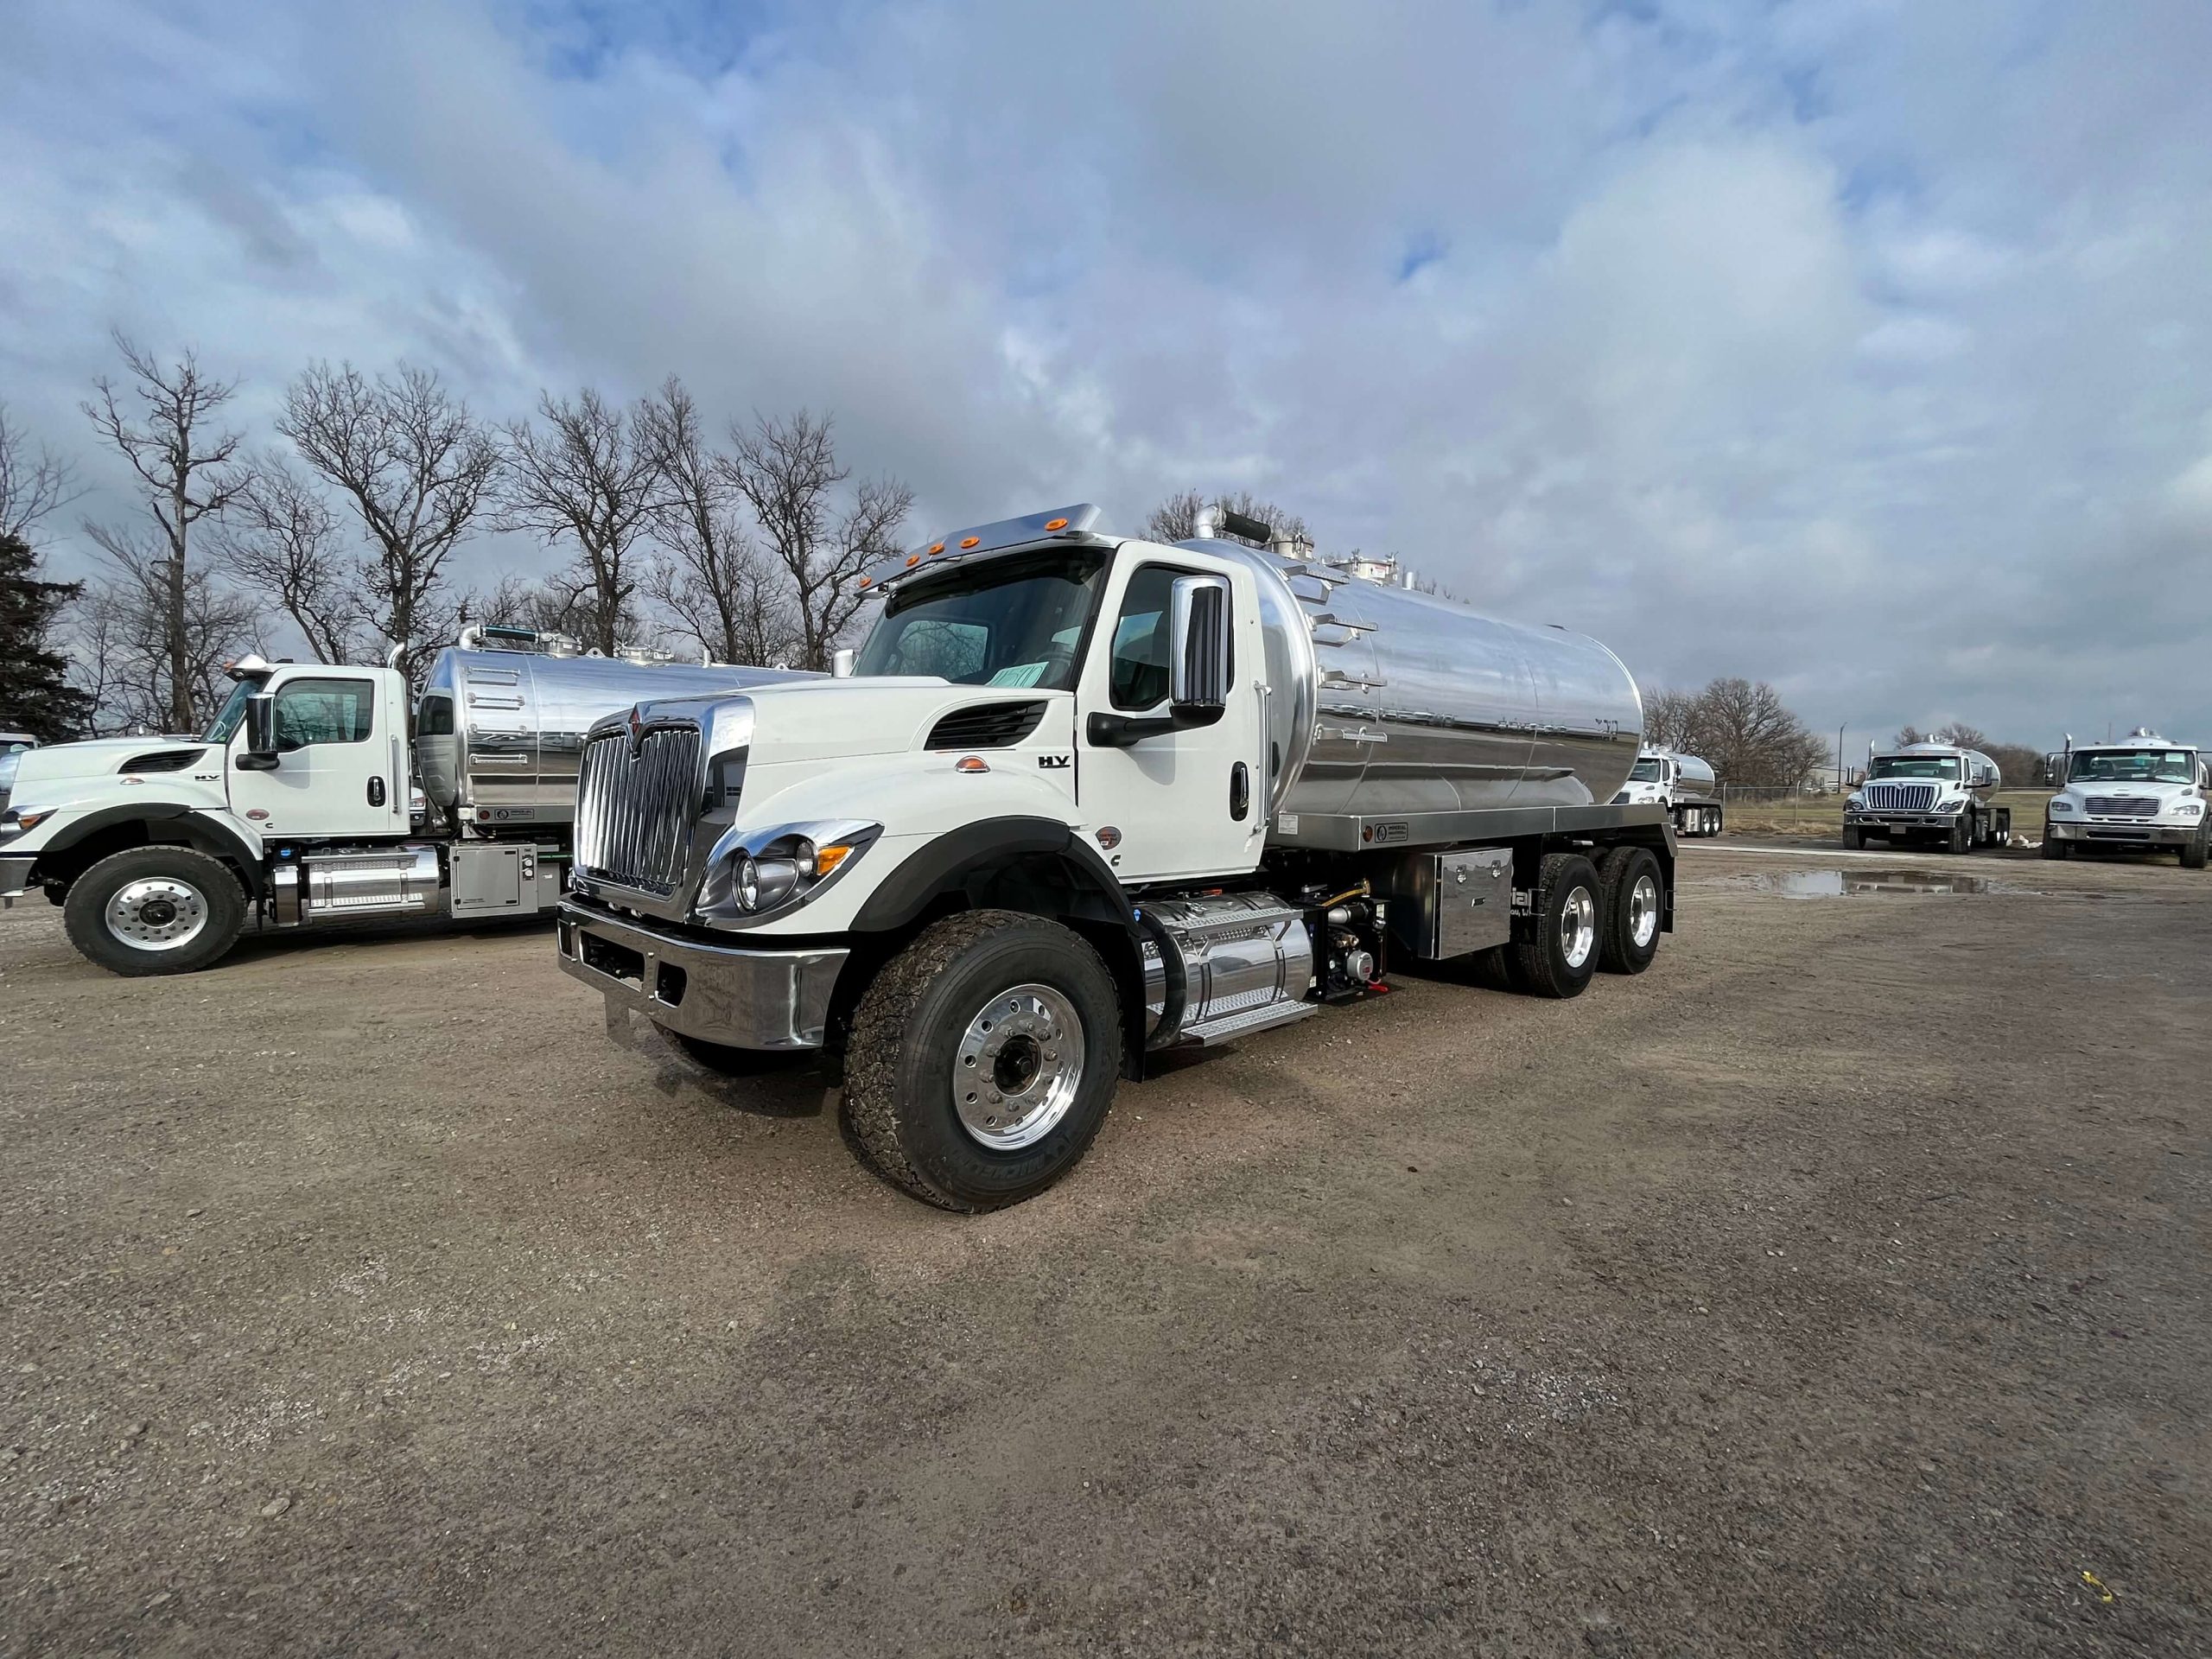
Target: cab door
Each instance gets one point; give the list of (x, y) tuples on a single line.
[(335, 771), (1182, 803)]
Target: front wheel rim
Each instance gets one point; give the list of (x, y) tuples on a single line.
[(158, 912), (1643, 911), (1018, 1067), (1578, 927)]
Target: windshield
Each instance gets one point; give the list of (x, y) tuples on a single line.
[(1647, 772), (2134, 766), (1913, 766), (233, 711), (1015, 622)]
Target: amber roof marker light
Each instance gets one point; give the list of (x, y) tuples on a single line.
[(971, 541), (936, 547), (1056, 524)]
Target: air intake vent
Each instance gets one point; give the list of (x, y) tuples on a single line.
[(162, 761), (985, 725)]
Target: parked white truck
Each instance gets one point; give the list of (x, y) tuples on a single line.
[(1928, 791), (1682, 784), (2142, 794), (295, 808), (1082, 798)]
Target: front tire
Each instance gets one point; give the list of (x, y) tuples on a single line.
[(155, 910), (2193, 853), (983, 1060), (1959, 837), (1632, 903), (1555, 947), (1853, 838), (2053, 848)]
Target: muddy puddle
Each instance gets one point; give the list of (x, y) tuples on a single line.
[(1846, 883)]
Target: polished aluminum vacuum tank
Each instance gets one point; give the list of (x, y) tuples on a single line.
[(498, 733), (1385, 700)]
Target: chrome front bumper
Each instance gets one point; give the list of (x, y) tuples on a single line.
[(740, 998), (2122, 833)]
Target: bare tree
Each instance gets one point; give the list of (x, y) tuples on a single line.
[(1750, 736), (590, 477), (718, 587), (1668, 716), (281, 538), (1908, 736), (418, 469), (565, 602), (31, 485), (1959, 735), (185, 474), (788, 472), (1176, 519), (125, 638)]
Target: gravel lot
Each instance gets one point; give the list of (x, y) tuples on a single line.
[(1838, 1286)]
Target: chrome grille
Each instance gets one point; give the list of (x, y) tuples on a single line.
[(1900, 797), (2122, 806), (634, 810)]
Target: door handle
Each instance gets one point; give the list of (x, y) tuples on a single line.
[(376, 791)]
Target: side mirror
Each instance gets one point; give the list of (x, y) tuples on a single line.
[(841, 664), (260, 752), (1198, 672)]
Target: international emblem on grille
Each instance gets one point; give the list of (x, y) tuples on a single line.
[(636, 797)]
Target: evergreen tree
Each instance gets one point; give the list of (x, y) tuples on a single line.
[(35, 695)]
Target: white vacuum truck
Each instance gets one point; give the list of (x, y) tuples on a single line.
[(1682, 784), (2142, 794), (1081, 798), (294, 808), (1928, 792)]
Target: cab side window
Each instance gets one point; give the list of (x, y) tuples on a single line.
[(323, 711), (1141, 639)]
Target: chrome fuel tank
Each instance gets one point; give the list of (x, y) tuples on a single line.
[(498, 733), (1385, 701)]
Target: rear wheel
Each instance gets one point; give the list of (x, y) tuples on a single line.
[(983, 1060), (1631, 902), (1555, 946), (155, 910)]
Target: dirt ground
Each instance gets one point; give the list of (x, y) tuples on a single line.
[(1835, 1287)]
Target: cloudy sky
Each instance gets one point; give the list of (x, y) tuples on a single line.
[(1864, 346)]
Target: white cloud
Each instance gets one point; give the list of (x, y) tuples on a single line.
[(1859, 347)]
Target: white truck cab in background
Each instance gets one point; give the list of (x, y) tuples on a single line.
[(2142, 794), (297, 805), (1928, 792), (1682, 784)]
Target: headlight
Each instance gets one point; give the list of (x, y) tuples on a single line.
[(784, 866), (1857, 803), (2059, 805), (2188, 809)]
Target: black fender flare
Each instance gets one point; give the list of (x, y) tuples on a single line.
[(983, 862), (200, 832)]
